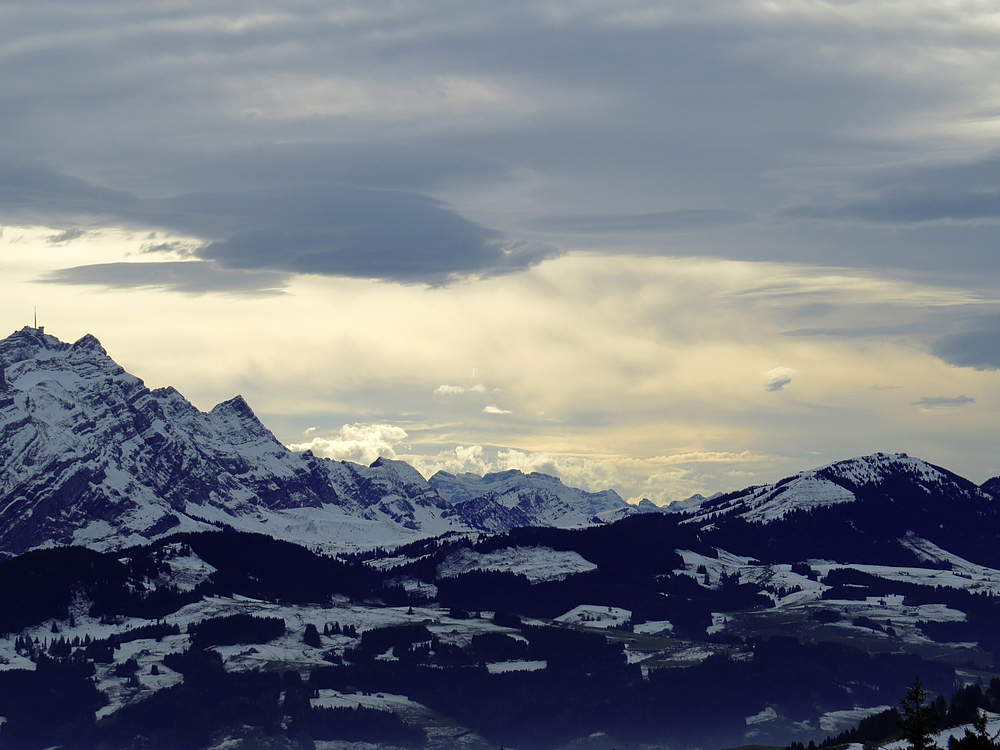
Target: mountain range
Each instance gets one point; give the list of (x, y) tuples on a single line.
[(92, 456), (179, 579)]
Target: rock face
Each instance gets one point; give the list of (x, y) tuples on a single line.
[(91, 456)]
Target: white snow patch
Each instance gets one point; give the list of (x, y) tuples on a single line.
[(771, 577), (537, 564), (719, 622), (186, 570), (596, 616), (692, 655), (385, 701), (654, 627), (415, 586)]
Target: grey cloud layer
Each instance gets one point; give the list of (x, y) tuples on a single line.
[(631, 118), (978, 347), (668, 221), (967, 192)]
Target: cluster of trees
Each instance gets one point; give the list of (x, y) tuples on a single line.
[(918, 719), (43, 585), (54, 704), (99, 650), (234, 629), (588, 686), (263, 706)]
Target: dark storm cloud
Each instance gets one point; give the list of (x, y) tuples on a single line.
[(319, 229), (68, 235), (669, 221), (978, 347), (348, 232)]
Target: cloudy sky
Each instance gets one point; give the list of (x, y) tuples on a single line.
[(667, 247)]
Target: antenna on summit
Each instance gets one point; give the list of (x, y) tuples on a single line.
[(42, 329)]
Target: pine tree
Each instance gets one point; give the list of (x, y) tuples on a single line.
[(311, 636), (917, 718)]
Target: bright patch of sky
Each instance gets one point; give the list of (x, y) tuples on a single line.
[(662, 247)]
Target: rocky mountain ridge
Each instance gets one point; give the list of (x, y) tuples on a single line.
[(91, 456)]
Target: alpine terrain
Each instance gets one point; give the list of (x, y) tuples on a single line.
[(175, 580)]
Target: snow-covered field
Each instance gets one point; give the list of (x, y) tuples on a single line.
[(537, 564), (654, 627), (288, 651), (594, 616), (748, 570)]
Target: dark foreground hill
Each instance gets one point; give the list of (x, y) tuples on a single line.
[(638, 633)]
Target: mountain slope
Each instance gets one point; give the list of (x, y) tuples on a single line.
[(866, 509)]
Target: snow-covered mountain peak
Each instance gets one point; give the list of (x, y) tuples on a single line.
[(399, 472), (27, 343), (839, 482), (90, 455), (535, 499), (89, 343), (877, 467), (34, 344)]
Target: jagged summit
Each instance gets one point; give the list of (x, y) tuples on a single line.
[(90, 455)]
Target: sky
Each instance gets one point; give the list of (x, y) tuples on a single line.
[(663, 247)]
